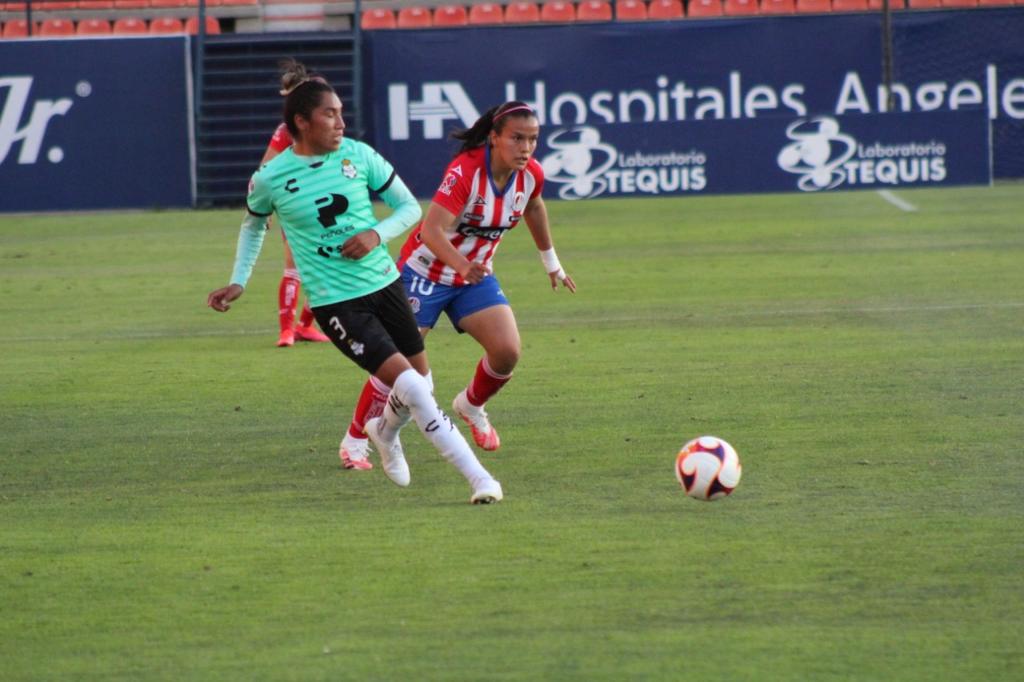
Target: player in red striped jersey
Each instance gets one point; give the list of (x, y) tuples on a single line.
[(491, 184)]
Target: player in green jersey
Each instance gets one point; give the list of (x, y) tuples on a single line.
[(319, 188)]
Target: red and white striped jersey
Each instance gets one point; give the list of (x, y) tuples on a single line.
[(282, 139), (483, 213)]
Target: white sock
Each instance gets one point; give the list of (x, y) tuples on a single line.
[(412, 391)]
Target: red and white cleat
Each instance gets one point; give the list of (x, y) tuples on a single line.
[(484, 434), (310, 333), (353, 453)]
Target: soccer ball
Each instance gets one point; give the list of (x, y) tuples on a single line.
[(708, 468)]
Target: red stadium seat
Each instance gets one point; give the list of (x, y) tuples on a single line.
[(378, 18), (131, 4), (192, 25), (777, 7), (167, 4), (486, 13), (521, 13), (450, 15), (813, 6), (57, 27), (239, 3), (93, 27), (665, 9), (960, 3), (994, 3), (704, 8), (130, 26), (54, 5), (630, 10), (924, 4), (557, 11), (740, 8), (594, 10), (162, 25), (95, 4), (18, 28), (893, 4), (849, 5), (414, 17)]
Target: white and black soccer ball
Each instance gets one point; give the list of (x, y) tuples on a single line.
[(708, 468)]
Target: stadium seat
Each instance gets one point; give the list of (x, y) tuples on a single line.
[(167, 4), (54, 6), (521, 13), (594, 10), (377, 19), (414, 17), (450, 15), (893, 4), (17, 28), (740, 8), (959, 3), (131, 4), (777, 7), (813, 6), (95, 4), (486, 13), (57, 27), (665, 9), (93, 27), (995, 3), (129, 26), (630, 10), (849, 5), (192, 25), (238, 3), (557, 11), (704, 8), (924, 4), (163, 25)]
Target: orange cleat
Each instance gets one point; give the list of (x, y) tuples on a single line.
[(484, 434), (286, 339)]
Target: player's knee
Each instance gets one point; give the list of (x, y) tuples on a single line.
[(505, 357)]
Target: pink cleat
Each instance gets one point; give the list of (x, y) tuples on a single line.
[(286, 339), (484, 434), (310, 333), (353, 453)]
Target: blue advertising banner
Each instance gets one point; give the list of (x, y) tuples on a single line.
[(93, 124), (737, 91), (777, 154)]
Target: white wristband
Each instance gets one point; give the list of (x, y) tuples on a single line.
[(550, 260)]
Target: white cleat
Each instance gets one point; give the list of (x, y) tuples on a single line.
[(487, 491), (391, 455), (484, 434)]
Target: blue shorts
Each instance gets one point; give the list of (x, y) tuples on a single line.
[(429, 299)]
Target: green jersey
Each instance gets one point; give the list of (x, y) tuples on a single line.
[(322, 201)]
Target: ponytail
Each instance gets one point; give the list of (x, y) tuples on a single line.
[(492, 119)]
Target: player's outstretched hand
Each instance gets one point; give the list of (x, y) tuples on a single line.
[(357, 246), (220, 299), (560, 276)]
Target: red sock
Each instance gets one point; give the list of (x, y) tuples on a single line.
[(486, 382), (306, 317), (287, 299), (371, 404)]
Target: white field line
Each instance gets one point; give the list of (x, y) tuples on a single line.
[(901, 204), (271, 333)]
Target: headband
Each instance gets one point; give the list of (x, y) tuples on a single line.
[(287, 91), (520, 107)]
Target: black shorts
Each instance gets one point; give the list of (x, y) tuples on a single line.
[(372, 328)]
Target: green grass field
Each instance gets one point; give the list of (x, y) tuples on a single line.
[(172, 505)]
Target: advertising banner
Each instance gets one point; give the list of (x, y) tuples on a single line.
[(723, 98), (95, 123)]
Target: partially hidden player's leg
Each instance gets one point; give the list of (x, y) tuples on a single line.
[(495, 329), (370, 404), (287, 298), (411, 395)]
